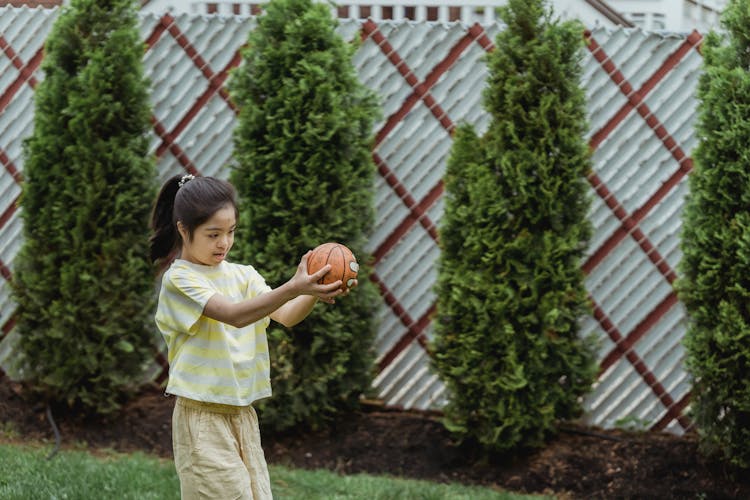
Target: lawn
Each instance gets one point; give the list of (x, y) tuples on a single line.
[(77, 474)]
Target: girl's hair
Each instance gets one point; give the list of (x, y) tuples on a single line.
[(190, 200)]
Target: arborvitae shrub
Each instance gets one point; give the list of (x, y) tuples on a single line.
[(715, 268), (305, 176), (82, 279), (510, 286)]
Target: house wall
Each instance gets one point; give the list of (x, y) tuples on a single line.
[(641, 105), (672, 15), (483, 11)]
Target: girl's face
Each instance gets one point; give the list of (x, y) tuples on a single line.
[(211, 240)]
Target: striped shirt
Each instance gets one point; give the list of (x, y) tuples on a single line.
[(209, 360)]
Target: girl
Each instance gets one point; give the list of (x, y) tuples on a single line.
[(213, 315)]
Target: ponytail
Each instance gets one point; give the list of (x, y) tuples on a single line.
[(164, 235)]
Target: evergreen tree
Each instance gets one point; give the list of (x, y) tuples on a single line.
[(82, 279), (510, 287), (305, 176), (715, 268)]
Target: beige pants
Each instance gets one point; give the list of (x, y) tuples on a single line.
[(217, 452)]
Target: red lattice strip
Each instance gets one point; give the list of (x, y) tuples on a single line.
[(673, 412), (26, 72), (159, 29), (634, 98), (483, 40), (640, 366), (26, 75), (174, 148), (5, 271), (629, 223), (7, 327), (415, 329), (629, 226), (10, 167), (215, 80), (635, 101), (421, 90), (214, 86), (417, 211), (625, 344), (5, 216), (167, 23)]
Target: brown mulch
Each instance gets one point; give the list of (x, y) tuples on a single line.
[(579, 463)]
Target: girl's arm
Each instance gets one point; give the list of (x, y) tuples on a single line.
[(294, 311), (297, 309), (302, 286)]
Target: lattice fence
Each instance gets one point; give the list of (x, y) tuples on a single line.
[(640, 91)]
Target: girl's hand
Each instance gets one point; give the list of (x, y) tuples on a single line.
[(307, 284)]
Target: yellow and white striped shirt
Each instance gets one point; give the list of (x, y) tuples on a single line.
[(209, 360)]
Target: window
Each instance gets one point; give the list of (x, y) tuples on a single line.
[(658, 22), (638, 18)]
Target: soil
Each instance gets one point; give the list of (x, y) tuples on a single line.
[(579, 462)]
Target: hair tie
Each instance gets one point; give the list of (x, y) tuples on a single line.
[(185, 178)]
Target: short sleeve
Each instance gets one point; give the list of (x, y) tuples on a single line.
[(256, 285), (186, 296)]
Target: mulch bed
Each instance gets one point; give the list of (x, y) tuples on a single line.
[(580, 462)]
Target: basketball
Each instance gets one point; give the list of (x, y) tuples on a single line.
[(344, 265)]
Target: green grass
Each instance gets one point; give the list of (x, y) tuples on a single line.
[(27, 474), (302, 485)]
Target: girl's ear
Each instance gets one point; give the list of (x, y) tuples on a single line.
[(182, 230)]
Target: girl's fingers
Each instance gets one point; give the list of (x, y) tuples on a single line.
[(320, 273), (303, 261), (328, 293), (331, 289)]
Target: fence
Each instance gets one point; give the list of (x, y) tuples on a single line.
[(641, 106)]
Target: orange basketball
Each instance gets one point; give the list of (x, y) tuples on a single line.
[(344, 265)]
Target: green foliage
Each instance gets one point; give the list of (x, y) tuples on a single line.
[(510, 288), (305, 176), (715, 269), (82, 280)]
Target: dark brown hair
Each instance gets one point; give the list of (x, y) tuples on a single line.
[(192, 203)]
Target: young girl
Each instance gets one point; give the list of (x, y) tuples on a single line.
[(213, 315)]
